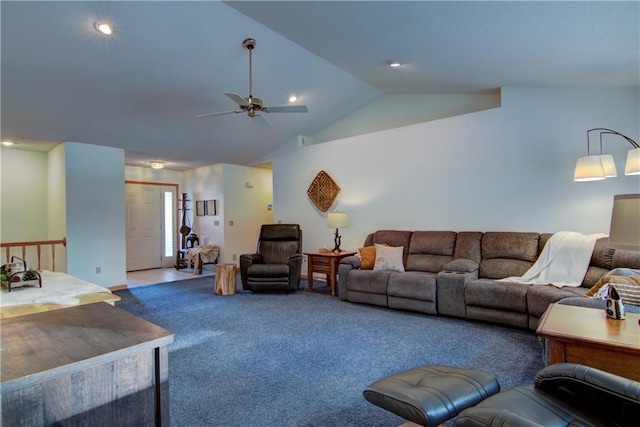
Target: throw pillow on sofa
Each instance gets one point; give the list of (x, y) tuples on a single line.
[(367, 257), (389, 258), (627, 286)]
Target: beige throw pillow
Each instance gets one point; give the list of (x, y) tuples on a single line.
[(389, 258)]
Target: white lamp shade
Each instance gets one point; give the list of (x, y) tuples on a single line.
[(624, 232), (632, 166), (337, 220), (609, 166), (588, 168)]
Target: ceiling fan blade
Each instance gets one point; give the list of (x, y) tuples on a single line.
[(286, 109), (261, 121), (219, 114), (237, 99)]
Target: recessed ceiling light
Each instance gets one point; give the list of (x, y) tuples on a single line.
[(8, 143), (293, 97), (103, 27), (393, 64), (157, 164)]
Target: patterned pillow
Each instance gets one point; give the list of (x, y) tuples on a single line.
[(389, 258), (627, 286)]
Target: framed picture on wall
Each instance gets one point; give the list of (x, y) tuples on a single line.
[(200, 208), (210, 208)]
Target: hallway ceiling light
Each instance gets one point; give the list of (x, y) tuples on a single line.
[(157, 164), (393, 64), (8, 143)]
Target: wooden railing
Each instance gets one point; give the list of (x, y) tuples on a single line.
[(26, 250)]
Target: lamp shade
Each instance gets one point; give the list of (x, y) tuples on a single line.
[(337, 220), (609, 166), (632, 166), (624, 232), (588, 168)]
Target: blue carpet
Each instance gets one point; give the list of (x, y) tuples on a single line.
[(304, 359)]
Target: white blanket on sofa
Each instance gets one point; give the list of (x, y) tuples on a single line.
[(564, 261)]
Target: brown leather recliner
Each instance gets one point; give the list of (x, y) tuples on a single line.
[(277, 264)]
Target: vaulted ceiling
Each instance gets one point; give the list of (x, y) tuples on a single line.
[(141, 88)]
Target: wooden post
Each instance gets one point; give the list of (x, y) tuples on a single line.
[(225, 279)]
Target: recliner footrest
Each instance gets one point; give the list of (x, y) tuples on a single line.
[(431, 394)]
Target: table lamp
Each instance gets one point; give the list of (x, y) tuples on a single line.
[(337, 220), (624, 232)]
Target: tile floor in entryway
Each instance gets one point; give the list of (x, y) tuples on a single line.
[(161, 275)]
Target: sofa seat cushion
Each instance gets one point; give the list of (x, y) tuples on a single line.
[(368, 281), (268, 271), (489, 293), (413, 284), (540, 296)]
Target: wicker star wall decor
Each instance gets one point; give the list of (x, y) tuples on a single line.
[(323, 191)]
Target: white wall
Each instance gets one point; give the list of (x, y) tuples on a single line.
[(95, 210), (206, 183), (24, 195), (245, 208), (508, 168), (57, 201)]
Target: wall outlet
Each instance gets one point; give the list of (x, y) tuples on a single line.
[(98, 270), (231, 223), (216, 223), (234, 257), (279, 221)]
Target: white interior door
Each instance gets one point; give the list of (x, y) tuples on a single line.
[(144, 226)]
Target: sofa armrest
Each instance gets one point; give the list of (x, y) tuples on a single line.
[(461, 265), (580, 379), (450, 292), (352, 260), (346, 265), (247, 260), (295, 269)]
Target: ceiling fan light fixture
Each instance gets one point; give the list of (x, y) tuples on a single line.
[(292, 97), (157, 164), (103, 28), (393, 63)]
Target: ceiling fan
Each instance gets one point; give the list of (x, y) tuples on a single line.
[(251, 105)]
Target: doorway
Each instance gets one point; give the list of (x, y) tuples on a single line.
[(151, 225)]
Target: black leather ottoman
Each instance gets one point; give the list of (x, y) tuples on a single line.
[(429, 395)]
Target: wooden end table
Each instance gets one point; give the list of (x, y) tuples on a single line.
[(325, 263), (587, 336), (225, 279)]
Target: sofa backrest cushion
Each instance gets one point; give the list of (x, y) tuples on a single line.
[(600, 264), (468, 244), (430, 251), (391, 238), (507, 254)]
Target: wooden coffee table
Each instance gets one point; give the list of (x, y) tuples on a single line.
[(587, 336)]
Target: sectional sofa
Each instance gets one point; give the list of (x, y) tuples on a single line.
[(456, 274)]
